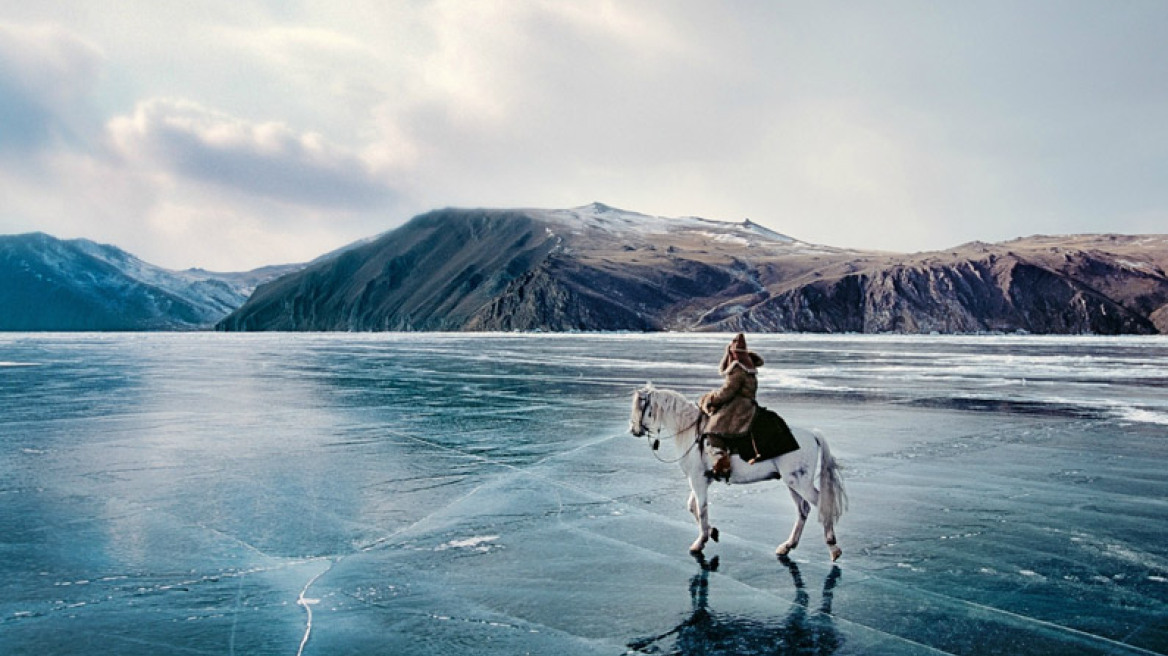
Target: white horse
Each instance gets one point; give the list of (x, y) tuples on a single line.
[(656, 410)]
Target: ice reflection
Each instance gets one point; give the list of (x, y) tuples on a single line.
[(705, 631)]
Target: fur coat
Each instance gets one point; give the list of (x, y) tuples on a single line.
[(732, 406)]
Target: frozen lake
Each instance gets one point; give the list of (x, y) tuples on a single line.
[(470, 494)]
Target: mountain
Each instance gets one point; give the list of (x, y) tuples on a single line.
[(1097, 284), (66, 285), (600, 268)]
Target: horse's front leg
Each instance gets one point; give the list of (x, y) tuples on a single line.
[(699, 507)]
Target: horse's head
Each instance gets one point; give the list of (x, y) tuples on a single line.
[(642, 411)]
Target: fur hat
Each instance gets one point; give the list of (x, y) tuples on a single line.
[(737, 355)]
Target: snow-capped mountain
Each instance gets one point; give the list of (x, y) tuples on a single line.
[(53, 284), (598, 217), (600, 268)]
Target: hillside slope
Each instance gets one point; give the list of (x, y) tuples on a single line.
[(70, 285), (599, 268)]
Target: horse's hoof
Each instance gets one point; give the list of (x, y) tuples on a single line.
[(696, 550), (836, 552), (783, 550), (707, 566), (714, 534)]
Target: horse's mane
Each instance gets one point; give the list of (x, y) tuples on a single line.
[(672, 402)]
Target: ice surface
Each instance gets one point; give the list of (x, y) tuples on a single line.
[(450, 494)]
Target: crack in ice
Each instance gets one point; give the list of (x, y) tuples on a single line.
[(308, 604)]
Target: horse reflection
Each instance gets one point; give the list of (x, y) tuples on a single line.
[(802, 631)]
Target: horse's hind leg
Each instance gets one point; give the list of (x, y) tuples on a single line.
[(829, 537), (804, 509)]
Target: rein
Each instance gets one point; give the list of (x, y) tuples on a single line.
[(654, 441)]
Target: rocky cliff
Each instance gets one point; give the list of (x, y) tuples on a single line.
[(598, 268)]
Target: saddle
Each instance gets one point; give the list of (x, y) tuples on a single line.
[(768, 437)]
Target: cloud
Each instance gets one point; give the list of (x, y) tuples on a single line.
[(537, 103), (46, 73), (892, 127), (231, 236), (260, 159)]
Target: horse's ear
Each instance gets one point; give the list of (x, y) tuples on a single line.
[(649, 386)]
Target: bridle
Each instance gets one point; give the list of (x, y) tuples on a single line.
[(645, 405), (654, 441)]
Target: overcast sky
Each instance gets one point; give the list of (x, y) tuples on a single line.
[(232, 134)]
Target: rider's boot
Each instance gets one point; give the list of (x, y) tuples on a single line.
[(722, 467)]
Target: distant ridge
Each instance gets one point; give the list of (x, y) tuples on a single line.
[(601, 268), (69, 285)]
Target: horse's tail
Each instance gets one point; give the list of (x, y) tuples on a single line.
[(833, 499)]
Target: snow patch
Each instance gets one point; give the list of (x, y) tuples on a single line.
[(478, 543), (598, 216), (728, 238), (1141, 416), (1138, 266), (1124, 553)]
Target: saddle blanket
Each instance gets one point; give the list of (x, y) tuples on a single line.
[(769, 437)]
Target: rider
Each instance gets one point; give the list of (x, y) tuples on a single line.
[(731, 408)]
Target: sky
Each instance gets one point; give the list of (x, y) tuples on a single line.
[(234, 134)]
